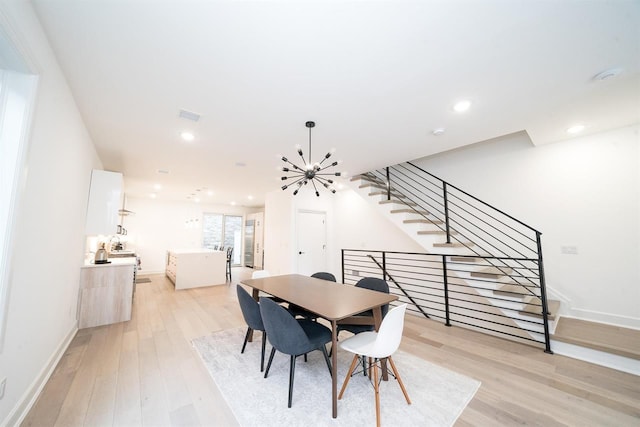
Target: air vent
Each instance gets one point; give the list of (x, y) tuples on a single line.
[(189, 115)]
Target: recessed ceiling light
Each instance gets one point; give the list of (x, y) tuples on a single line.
[(197, 200), (462, 106), (187, 136), (250, 197), (157, 187), (233, 203), (153, 195), (438, 131), (209, 193), (575, 129)]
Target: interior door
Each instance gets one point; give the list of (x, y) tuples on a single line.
[(312, 242)]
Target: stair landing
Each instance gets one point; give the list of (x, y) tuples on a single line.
[(599, 336)]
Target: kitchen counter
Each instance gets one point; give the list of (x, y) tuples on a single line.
[(106, 292), (114, 261), (193, 268)]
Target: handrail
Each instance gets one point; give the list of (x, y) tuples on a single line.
[(397, 285), (415, 276), (509, 246), (475, 198)]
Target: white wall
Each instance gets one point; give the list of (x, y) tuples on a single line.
[(159, 226), (351, 224), (49, 233), (584, 192)]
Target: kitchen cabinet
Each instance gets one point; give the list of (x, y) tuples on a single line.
[(105, 198), (196, 268), (106, 293)]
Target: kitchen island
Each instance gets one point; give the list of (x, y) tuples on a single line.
[(106, 292), (194, 268)]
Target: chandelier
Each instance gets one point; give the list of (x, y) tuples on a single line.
[(309, 172)]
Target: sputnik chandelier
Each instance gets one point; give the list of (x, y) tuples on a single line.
[(309, 172)]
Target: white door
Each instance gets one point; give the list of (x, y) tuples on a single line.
[(312, 242)]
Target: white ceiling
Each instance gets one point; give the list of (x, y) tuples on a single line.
[(376, 77)]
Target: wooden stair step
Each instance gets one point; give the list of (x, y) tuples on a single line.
[(492, 272), (409, 210), (599, 336), (512, 290), (453, 245), (372, 185), (432, 232), (533, 308), (464, 259), (384, 193), (392, 201)]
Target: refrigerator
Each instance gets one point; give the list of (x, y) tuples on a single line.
[(249, 238)]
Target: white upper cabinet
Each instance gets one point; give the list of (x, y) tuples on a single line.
[(105, 198)]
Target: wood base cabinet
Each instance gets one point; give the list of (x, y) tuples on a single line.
[(106, 294)]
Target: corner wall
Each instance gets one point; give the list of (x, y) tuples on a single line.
[(582, 193)]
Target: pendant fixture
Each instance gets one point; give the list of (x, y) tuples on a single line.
[(314, 173)]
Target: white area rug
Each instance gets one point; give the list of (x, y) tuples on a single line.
[(438, 395)]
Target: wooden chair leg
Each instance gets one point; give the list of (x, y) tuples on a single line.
[(376, 389), (346, 380), (395, 372)]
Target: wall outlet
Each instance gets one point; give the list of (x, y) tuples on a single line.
[(569, 250), (3, 383)]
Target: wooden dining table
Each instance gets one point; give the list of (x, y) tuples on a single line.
[(332, 301)]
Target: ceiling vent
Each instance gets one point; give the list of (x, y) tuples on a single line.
[(189, 115)]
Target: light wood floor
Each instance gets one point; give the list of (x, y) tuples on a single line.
[(145, 371)]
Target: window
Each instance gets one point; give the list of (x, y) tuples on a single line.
[(16, 96), (222, 230)]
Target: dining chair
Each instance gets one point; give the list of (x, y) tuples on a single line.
[(251, 313), (377, 346), (292, 337), (296, 310), (229, 258), (374, 284)]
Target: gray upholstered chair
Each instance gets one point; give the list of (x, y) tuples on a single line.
[(374, 284), (292, 337), (251, 313)]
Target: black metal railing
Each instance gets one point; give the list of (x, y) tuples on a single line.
[(505, 245), (447, 288)]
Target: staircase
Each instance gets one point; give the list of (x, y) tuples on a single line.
[(486, 258)]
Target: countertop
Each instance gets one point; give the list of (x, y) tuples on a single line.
[(114, 261)]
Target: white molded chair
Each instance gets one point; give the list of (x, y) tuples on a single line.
[(259, 274), (378, 346)]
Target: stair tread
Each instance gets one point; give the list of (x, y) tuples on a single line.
[(400, 202), (492, 272), (512, 290), (408, 210), (532, 308), (452, 245), (431, 232), (384, 193), (599, 336)]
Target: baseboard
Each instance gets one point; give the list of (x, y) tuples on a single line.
[(608, 318), (613, 361), (26, 402)]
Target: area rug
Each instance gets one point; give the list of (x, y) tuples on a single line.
[(438, 395)]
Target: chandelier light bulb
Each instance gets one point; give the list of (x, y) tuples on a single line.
[(309, 172)]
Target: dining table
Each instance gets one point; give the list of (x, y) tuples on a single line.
[(335, 302)]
